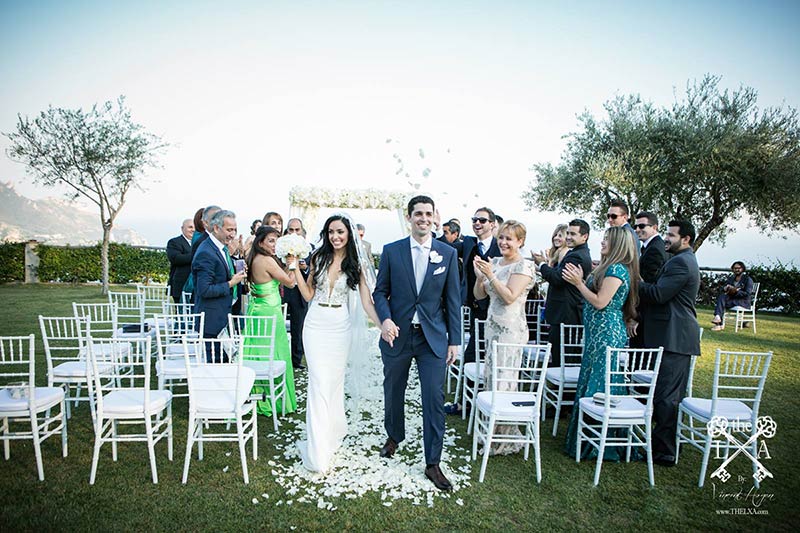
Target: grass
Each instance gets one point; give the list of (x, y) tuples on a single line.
[(124, 497)]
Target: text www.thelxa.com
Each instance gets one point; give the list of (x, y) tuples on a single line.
[(734, 511)]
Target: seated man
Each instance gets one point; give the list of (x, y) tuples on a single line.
[(737, 291)]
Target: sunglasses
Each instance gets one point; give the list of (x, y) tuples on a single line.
[(613, 216), (642, 226), (482, 220)]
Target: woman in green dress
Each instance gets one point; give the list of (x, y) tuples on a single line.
[(611, 295), (265, 273)]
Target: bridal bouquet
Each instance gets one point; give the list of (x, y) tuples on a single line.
[(292, 244)]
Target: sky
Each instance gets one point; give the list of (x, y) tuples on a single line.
[(258, 97)]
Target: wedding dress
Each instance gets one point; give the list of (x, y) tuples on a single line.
[(327, 337)]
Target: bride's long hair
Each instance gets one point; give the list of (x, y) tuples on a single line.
[(255, 249), (322, 257)]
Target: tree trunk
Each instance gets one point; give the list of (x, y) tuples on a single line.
[(104, 257)]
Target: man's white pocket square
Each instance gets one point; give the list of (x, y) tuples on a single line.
[(439, 270), (435, 257)]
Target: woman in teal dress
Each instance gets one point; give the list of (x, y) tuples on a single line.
[(265, 274), (611, 294)]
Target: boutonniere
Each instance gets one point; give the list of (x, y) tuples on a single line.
[(435, 257)]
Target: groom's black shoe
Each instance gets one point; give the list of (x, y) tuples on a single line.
[(434, 473), (389, 448)]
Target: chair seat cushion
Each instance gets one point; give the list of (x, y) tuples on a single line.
[(77, 369), (503, 406), (740, 308), (571, 374), (266, 369), (472, 371), (642, 376), (46, 397), (131, 401), (626, 409), (730, 409), (172, 367), (104, 350), (177, 349)]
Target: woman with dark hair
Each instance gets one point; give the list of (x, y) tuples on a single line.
[(265, 273), (338, 294), (249, 242), (611, 294), (738, 290)]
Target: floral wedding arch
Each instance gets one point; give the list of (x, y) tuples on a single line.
[(305, 202)]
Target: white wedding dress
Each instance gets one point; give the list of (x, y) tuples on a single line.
[(327, 335)]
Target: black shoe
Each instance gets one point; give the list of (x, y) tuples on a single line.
[(434, 473), (389, 448), (667, 462), (299, 367), (453, 409)]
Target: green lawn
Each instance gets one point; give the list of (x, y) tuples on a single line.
[(125, 499)]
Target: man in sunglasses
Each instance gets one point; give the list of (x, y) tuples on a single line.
[(483, 244), (617, 215), (652, 258)]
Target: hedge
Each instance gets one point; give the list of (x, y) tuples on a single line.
[(81, 264), (780, 287), (12, 261)]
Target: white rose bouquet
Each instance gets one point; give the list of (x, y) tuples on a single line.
[(294, 245)]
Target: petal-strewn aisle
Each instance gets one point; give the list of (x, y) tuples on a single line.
[(357, 467)]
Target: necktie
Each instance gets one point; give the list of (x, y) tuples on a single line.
[(481, 248), (230, 269), (420, 266)]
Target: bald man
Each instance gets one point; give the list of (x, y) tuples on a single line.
[(179, 254)]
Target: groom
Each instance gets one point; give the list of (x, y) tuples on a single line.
[(417, 298)]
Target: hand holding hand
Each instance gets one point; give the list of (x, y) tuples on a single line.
[(389, 331), (572, 274)]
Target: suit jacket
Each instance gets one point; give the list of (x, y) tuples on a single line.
[(469, 249), (652, 259), (179, 253), (564, 304), (670, 319), (438, 303), (212, 294)]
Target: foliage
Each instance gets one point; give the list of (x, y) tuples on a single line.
[(12, 261), (98, 155), (82, 264), (779, 291), (709, 158)]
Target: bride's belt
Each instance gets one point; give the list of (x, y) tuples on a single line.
[(325, 304)]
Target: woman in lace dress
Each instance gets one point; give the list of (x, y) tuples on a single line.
[(506, 280), (336, 284)]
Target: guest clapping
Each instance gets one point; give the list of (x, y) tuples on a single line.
[(611, 295)]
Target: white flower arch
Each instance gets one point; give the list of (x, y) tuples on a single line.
[(305, 202)]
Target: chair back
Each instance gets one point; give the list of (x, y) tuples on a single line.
[(153, 297), (532, 315), (102, 318), (17, 368), (479, 330), (172, 328), (216, 382), (258, 336), (754, 295), (171, 308), (518, 375), (466, 321), (186, 297), (622, 364), (129, 307), (571, 345), (740, 376), (117, 364), (63, 339)]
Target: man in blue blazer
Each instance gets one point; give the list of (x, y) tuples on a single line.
[(214, 274), (417, 298)]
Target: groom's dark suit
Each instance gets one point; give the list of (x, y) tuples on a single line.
[(670, 321), (437, 306)]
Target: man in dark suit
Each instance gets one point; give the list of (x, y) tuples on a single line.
[(417, 300), (652, 258), (618, 215), (564, 303), (216, 282), (179, 254), (295, 301), (670, 321)]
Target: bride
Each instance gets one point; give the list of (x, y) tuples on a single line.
[(334, 327)]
